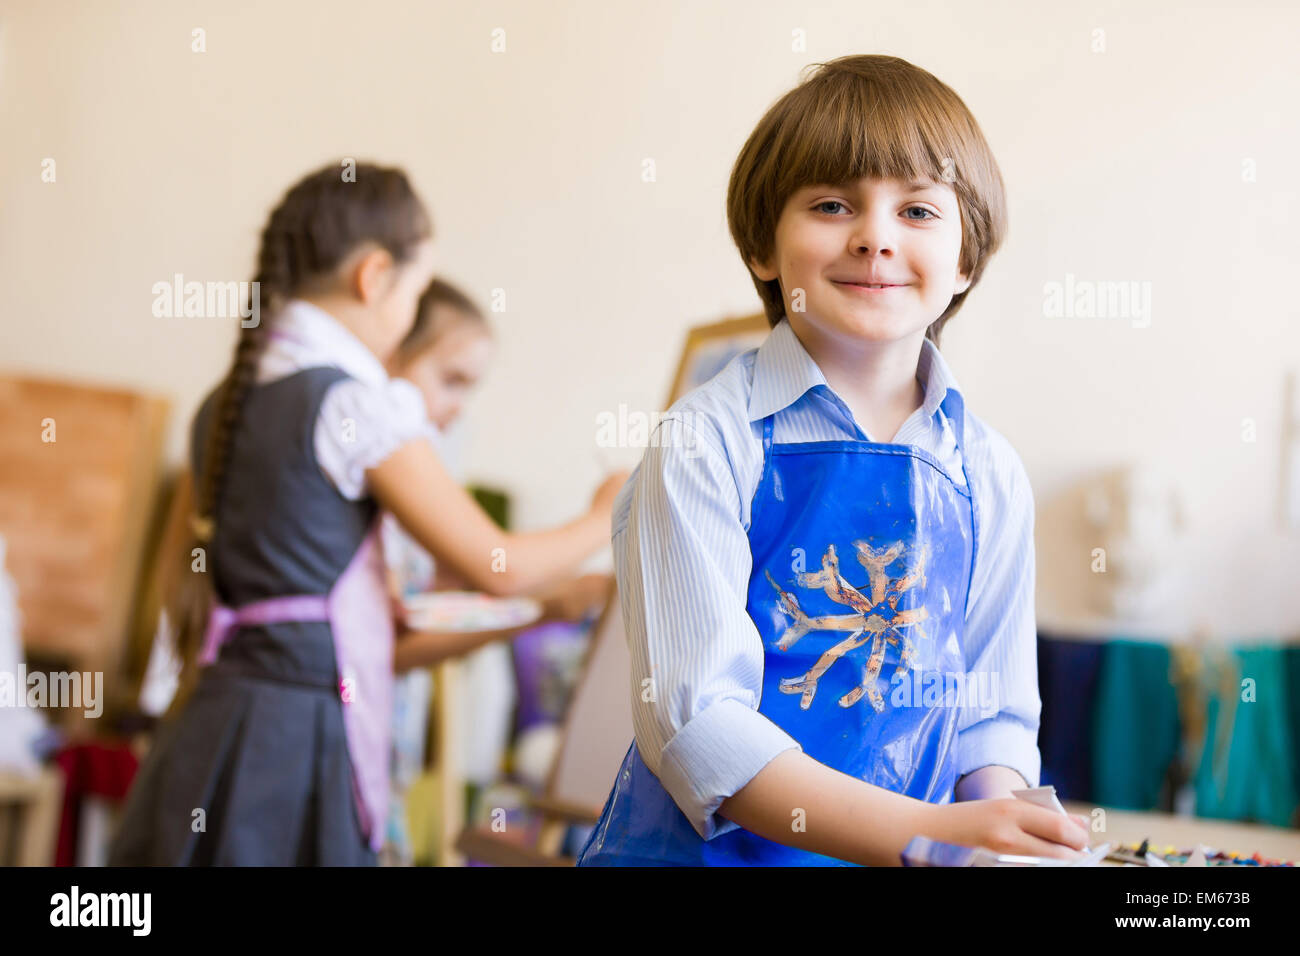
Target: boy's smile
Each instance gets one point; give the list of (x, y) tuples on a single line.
[(871, 261)]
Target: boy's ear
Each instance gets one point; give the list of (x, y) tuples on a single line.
[(763, 270), (963, 283)]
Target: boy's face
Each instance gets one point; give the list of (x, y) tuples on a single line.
[(833, 240)]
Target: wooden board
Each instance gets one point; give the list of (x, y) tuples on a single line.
[(75, 511), (598, 724)]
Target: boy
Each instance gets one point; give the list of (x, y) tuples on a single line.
[(823, 533)]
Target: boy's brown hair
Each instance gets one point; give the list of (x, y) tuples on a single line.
[(860, 116)]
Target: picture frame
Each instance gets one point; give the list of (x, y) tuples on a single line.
[(710, 347)]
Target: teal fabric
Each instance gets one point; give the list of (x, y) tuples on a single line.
[(1252, 777), (1135, 732)]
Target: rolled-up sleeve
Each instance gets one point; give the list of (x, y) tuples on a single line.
[(682, 559), (999, 725)]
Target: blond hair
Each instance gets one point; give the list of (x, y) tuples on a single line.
[(856, 117), (431, 319)]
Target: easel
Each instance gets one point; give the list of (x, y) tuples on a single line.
[(597, 732)]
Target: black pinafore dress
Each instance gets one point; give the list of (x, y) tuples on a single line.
[(279, 757)]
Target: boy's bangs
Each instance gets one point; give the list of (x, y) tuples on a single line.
[(866, 131)]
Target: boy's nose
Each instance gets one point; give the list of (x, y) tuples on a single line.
[(873, 234), (869, 241), (864, 248)]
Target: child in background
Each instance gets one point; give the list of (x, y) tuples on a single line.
[(279, 755), (786, 579), (445, 355)]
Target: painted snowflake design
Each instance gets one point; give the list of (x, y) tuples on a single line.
[(876, 618)]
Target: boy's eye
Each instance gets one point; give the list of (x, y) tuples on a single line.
[(836, 206)]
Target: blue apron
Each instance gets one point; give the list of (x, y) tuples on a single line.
[(862, 561)]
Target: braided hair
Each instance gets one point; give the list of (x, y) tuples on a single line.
[(317, 225)]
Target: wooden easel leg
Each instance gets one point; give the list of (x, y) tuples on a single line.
[(451, 783), (550, 840), (38, 830)]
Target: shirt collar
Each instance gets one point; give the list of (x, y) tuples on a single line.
[(320, 339), (941, 388), (784, 372)]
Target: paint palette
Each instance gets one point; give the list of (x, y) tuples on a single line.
[(1144, 854), (468, 611)]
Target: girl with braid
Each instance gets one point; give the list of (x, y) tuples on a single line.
[(276, 750)]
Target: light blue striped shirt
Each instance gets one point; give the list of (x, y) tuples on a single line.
[(681, 553)]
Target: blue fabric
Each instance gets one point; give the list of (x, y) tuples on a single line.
[(861, 551), (1136, 734), (1291, 663), (1067, 682)]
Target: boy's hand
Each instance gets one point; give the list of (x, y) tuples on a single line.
[(1008, 826)]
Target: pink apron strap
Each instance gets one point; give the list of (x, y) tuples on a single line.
[(223, 621)]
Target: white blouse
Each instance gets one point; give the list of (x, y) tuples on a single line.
[(363, 419)]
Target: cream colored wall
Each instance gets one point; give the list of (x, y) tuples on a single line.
[(1121, 165)]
